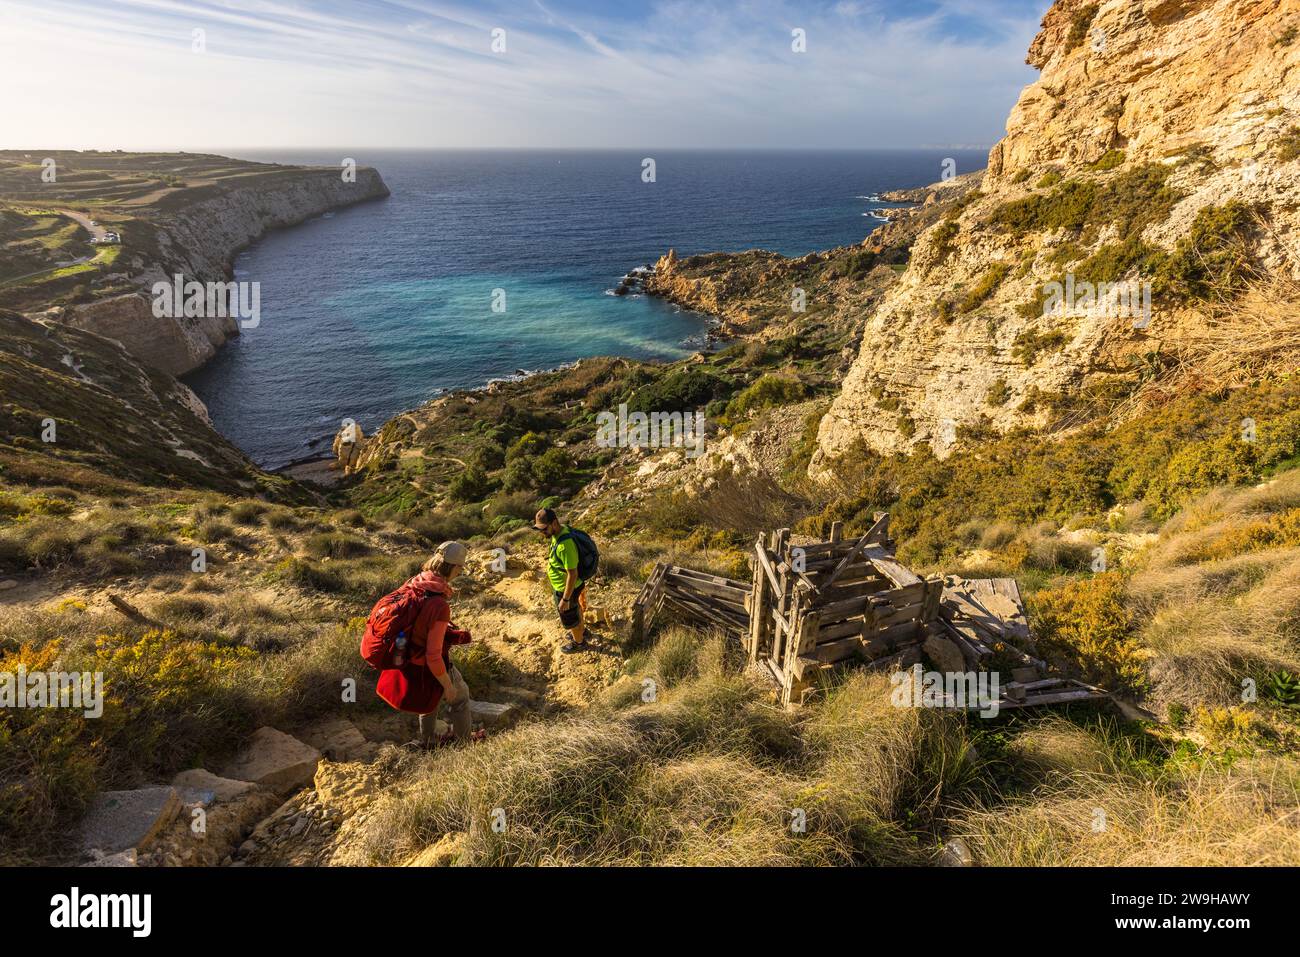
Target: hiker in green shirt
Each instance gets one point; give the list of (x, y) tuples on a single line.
[(562, 572)]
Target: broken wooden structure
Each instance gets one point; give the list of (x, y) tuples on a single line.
[(699, 596), (814, 607)]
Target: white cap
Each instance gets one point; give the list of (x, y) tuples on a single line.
[(453, 553)]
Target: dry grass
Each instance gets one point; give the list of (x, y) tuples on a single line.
[(1212, 622), (711, 772), (1246, 815), (1236, 341)]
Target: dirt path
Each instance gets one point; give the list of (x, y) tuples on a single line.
[(514, 615)]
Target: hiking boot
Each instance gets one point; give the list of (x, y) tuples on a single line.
[(571, 647)]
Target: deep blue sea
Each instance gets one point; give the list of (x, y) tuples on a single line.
[(374, 309)]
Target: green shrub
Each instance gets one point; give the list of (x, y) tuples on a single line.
[(682, 390), (528, 444), (487, 458), (553, 471), (470, 485), (335, 545), (989, 282), (943, 237), (296, 571), (1288, 144), (766, 391), (1130, 200), (1109, 160), (247, 512), (1079, 24), (1031, 343), (1214, 258), (1085, 626), (998, 394)]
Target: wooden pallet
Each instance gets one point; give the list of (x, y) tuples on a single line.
[(815, 607), (695, 595), (811, 608)]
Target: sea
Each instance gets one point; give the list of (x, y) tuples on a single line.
[(486, 265)]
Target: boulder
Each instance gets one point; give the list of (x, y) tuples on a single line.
[(490, 713), (124, 820), (444, 853), (347, 786), (198, 786), (956, 854), (945, 654), (276, 761), (339, 740)]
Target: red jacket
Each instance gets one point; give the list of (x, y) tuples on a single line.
[(414, 687)]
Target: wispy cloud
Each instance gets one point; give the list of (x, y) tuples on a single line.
[(673, 73)]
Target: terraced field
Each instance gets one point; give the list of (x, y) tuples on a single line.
[(53, 203)]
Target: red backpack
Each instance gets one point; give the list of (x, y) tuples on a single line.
[(393, 615)]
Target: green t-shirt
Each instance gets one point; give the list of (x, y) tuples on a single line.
[(562, 557)]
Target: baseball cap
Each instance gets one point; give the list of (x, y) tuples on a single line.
[(543, 517), (453, 553)]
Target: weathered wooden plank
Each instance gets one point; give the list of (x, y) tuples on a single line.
[(848, 608), (859, 547), (685, 572), (897, 573), (731, 595), (809, 633), (805, 666), (832, 651), (1063, 697), (878, 643), (766, 565), (841, 630), (895, 616)]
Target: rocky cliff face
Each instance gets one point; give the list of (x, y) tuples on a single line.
[(1157, 132), (197, 233)]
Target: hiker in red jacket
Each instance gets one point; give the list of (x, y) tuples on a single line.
[(424, 676)]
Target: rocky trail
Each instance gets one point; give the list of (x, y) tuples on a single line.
[(285, 795)]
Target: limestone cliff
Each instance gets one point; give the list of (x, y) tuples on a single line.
[(1161, 141), (197, 232)]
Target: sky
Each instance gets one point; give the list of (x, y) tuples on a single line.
[(261, 74)]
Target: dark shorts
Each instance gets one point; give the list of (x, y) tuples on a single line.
[(570, 618)]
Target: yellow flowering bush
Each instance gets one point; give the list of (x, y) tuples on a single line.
[(1085, 625)]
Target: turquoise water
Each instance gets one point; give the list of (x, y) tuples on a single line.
[(377, 308)]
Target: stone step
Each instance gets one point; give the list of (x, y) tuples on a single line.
[(198, 786), (124, 820), (491, 713), (276, 761), (339, 740)]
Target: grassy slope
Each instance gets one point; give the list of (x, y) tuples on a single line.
[(710, 771)]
